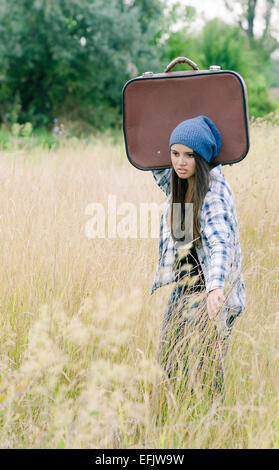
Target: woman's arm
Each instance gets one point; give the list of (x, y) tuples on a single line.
[(218, 231), (219, 235), (162, 178)]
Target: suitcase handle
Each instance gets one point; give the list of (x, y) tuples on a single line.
[(181, 60)]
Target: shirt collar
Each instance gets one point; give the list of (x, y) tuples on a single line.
[(217, 173)]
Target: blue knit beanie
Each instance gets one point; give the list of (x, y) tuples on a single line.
[(200, 134)]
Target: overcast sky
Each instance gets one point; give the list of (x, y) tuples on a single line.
[(212, 8)]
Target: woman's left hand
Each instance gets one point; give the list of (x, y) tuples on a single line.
[(214, 300)]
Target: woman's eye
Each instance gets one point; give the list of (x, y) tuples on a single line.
[(176, 154)]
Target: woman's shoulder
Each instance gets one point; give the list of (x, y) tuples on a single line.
[(218, 185), (219, 197)]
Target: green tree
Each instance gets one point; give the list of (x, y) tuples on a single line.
[(246, 13), (72, 57), (226, 46), (178, 37)]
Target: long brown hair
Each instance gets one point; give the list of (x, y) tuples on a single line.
[(179, 188)]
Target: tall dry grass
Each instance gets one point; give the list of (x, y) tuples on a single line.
[(79, 330)]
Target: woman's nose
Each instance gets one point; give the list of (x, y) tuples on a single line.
[(183, 158)]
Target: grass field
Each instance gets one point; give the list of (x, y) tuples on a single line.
[(79, 330)]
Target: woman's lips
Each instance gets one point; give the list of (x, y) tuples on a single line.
[(182, 170)]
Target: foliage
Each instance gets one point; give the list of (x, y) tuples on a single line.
[(24, 137), (181, 41), (258, 97), (72, 58), (245, 13)]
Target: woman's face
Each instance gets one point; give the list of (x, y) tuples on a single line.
[(183, 160)]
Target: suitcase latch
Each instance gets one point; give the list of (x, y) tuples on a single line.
[(215, 67), (147, 74)]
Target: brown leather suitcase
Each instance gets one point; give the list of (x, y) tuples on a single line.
[(153, 105)]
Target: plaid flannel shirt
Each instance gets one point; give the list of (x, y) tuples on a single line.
[(219, 252)]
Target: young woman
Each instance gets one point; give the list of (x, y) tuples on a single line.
[(209, 287)]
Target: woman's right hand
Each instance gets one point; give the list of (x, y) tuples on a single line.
[(214, 301)]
